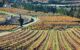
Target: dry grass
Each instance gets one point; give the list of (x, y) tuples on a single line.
[(25, 12)]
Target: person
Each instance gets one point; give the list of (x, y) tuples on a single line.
[(21, 21)]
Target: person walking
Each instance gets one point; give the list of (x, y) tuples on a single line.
[(21, 21)]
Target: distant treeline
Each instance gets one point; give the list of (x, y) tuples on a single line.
[(70, 11), (36, 7), (1, 4)]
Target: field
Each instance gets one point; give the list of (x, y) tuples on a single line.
[(25, 12), (42, 40), (7, 27), (59, 18), (50, 22), (2, 18), (48, 33)]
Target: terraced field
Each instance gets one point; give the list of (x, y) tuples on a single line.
[(2, 18), (58, 18), (25, 12), (68, 39), (51, 22), (7, 27), (42, 35)]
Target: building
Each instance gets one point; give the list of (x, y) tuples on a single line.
[(7, 3), (27, 1), (42, 1)]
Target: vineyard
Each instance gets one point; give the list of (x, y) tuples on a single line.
[(50, 22), (48, 33), (25, 12), (58, 18), (50, 39), (7, 27), (2, 18), (13, 10), (41, 40)]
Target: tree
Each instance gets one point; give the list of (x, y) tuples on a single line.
[(71, 11), (60, 10), (78, 13)]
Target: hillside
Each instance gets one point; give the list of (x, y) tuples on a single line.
[(49, 32)]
